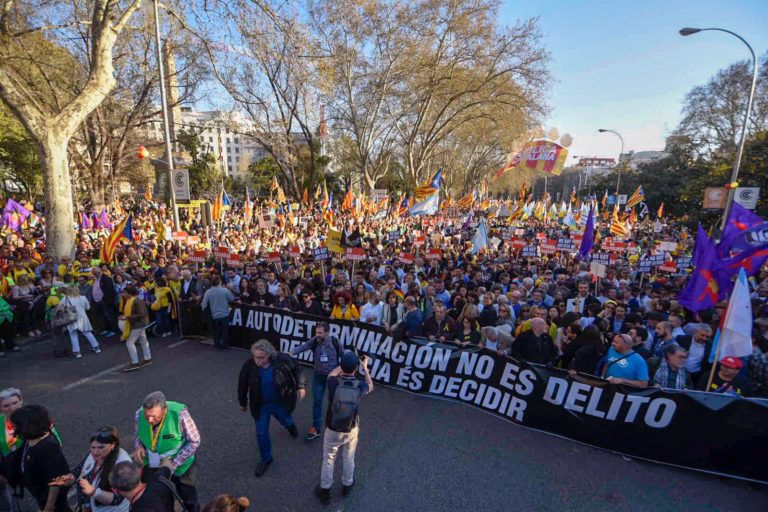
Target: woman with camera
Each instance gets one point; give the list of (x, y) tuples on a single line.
[(91, 475)]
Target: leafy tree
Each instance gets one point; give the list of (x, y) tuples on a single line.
[(19, 159), (205, 173)]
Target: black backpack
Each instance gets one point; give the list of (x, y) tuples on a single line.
[(345, 405)]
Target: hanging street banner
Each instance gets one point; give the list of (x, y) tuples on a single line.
[(541, 155), (708, 432)]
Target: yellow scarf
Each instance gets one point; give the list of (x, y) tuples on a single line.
[(127, 310)]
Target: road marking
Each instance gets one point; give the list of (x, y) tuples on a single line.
[(174, 345), (92, 377)]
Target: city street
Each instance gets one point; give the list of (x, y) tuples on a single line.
[(415, 453)]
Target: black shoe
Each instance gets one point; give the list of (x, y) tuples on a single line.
[(324, 495), (347, 489), (261, 468), (293, 431)]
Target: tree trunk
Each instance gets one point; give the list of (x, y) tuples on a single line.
[(98, 192), (59, 214)]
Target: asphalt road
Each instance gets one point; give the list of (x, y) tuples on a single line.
[(415, 453)]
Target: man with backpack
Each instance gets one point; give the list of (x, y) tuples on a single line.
[(343, 423), (327, 351)]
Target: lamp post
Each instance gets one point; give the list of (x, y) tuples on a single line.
[(166, 125), (618, 172), (736, 164)]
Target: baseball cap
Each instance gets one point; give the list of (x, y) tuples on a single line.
[(728, 362), (349, 362)]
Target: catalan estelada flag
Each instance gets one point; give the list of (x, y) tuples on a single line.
[(248, 208), (124, 229), (635, 198), (618, 227), (219, 205), (429, 188)]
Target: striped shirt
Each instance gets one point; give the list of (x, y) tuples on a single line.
[(188, 431)]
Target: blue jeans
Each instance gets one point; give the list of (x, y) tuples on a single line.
[(319, 383), (164, 320), (266, 411)]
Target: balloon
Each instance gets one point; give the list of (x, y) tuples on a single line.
[(553, 133), (566, 140), (143, 152)]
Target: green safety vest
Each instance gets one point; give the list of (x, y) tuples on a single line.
[(170, 441)]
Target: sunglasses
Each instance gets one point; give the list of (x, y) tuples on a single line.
[(103, 436)]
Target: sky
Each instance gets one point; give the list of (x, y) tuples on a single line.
[(622, 65)]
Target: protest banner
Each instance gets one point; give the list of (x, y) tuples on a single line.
[(702, 431)]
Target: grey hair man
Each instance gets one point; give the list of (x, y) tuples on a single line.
[(165, 430)]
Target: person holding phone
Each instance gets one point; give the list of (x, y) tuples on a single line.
[(342, 422)]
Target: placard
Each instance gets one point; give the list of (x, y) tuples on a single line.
[(530, 251), (548, 246), (221, 252), (406, 258), (233, 260), (433, 254), (597, 269), (294, 252), (566, 244), (601, 257), (668, 266), (394, 236), (320, 253), (272, 257), (518, 244), (197, 256), (179, 236), (668, 246), (418, 241), (355, 254), (684, 262)]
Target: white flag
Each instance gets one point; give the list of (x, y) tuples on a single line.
[(736, 335)]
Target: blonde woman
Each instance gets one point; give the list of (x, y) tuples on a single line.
[(73, 298)]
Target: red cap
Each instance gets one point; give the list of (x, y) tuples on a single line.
[(732, 362)]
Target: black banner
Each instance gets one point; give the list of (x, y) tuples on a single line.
[(702, 431)]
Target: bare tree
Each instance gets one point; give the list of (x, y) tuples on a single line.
[(362, 41), (462, 68), (713, 113), (52, 126)]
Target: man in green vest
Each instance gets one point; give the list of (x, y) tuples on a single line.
[(165, 430)]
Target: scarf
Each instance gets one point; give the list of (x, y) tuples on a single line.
[(127, 311), (6, 314), (662, 376)]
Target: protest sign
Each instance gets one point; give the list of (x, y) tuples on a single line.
[(221, 252), (355, 254), (548, 246), (530, 251), (320, 253), (272, 257)]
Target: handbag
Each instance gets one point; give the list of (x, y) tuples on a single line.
[(64, 314)]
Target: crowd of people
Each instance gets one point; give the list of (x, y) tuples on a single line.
[(626, 326)]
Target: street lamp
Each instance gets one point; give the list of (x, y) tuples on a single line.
[(618, 172), (166, 125), (735, 173)]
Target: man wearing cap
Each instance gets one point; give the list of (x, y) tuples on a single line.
[(727, 379), (343, 438)]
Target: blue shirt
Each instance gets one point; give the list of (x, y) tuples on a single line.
[(632, 367), (269, 392), (413, 322)]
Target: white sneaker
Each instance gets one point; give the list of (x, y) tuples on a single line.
[(97, 350), (78, 355)]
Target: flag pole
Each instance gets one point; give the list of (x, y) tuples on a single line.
[(714, 365)]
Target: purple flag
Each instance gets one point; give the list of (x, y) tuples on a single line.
[(85, 221), (14, 215), (724, 270), (703, 289), (589, 235), (702, 245), (740, 220), (104, 219)]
